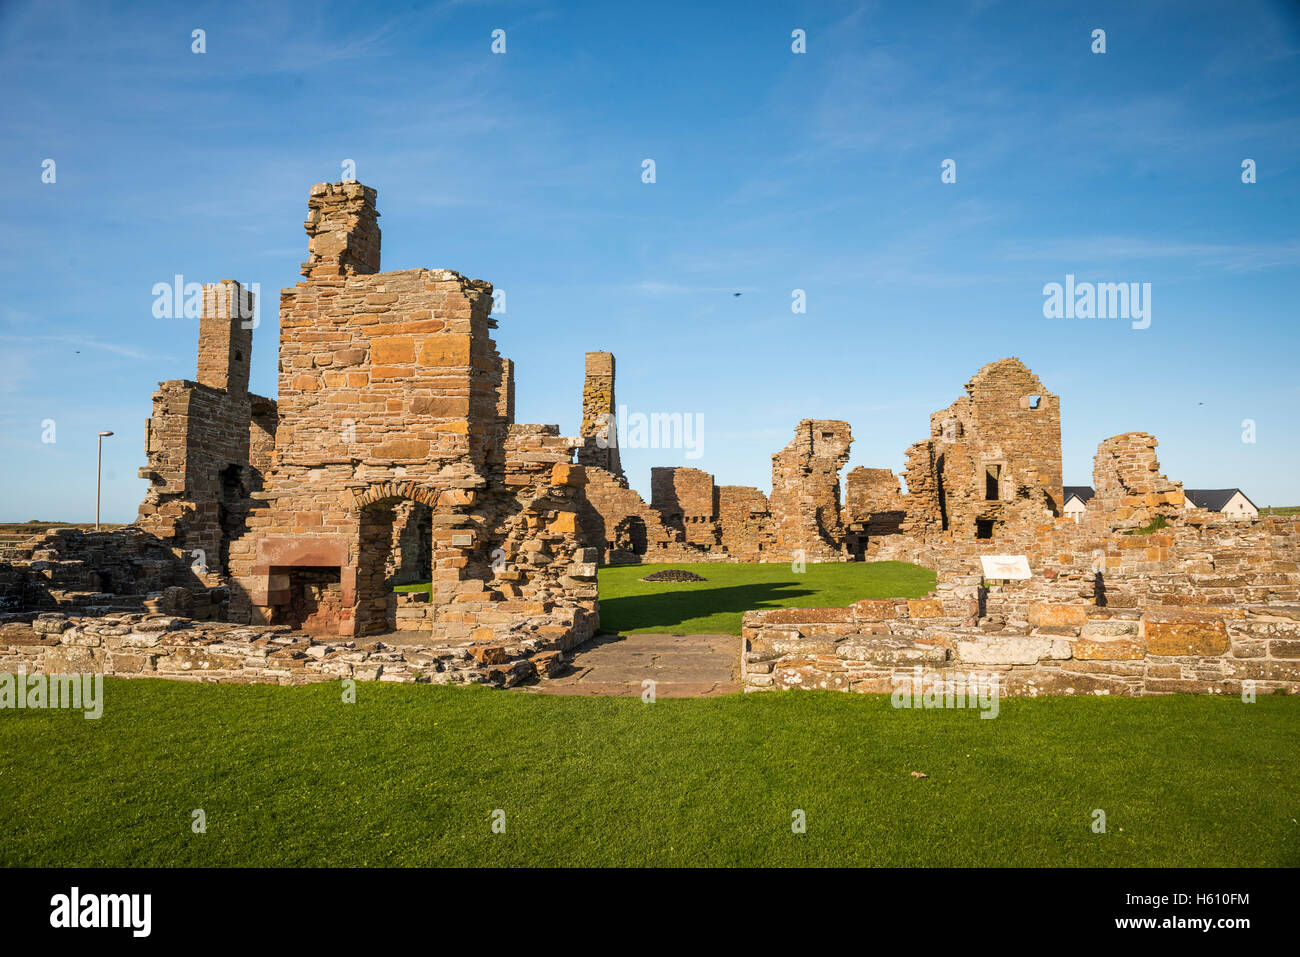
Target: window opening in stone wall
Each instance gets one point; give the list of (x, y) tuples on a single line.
[(992, 474)]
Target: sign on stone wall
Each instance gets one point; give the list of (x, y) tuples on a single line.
[(1006, 566)]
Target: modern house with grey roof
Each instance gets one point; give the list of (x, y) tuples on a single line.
[(1230, 502), (1077, 498)]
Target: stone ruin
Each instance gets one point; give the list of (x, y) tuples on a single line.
[(274, 530), (691, 519), (391, 454), (991, 469), (993, 458)]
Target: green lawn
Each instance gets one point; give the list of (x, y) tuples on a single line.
[(629, 605), (411, 775), (414, 587)]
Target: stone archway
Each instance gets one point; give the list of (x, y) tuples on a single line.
[(394, 546)]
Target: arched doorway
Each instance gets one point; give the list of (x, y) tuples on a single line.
[(395, 547)]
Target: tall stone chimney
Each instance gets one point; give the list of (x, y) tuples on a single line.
[(342, 231), (600, 437), (226, 337)]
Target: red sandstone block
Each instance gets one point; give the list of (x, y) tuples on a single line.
[(401, 449), (1042, 614), (444, 407), (1108, 649), (924, 608), (1168, 634), (447, 349), (870, 609), (489, 654), (563, 473), (565, 523), (793, 616), (526, 607)]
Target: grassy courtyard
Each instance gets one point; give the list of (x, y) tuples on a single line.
[(629, 605), (411, 775)]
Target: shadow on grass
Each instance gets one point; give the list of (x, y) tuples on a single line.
[(674, 607)]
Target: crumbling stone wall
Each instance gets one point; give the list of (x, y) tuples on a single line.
[(506, 392), (689, 518), (686, 498), (138, 645), (993, 459), (599, 431), (805, 500), (745, 531), (410, 549), (1129, 487), (991, 469), (873, 506), (1197, 608), (392, 392), (623, 528), (1064, 649), (208, 441), (78, 571), (343, 236)]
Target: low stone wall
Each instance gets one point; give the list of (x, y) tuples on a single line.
[(162, 646), (876, 646)]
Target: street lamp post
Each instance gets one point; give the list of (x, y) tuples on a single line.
[(99, 468)]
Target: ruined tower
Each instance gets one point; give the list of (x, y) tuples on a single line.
[(1130, 488), (993, 459), (207, 441), (599, 433), (805, 502), (342, 231), (226, 337), (395, 455)]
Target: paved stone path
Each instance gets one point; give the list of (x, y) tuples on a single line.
[(682, 666)]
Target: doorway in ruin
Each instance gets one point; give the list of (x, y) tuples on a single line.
[(395, 548), (410, 555), (630, 536), (855, 546), (313, 599), (942, 493), (992, 482), (232, 510), (983, 528)]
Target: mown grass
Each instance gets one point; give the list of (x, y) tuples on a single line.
[(629, 605), (411, 775), (415, 587)]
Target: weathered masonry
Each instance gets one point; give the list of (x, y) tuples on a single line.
[(209, 441), (992, 465), (274, 530), (1207, 607), (395, 410)]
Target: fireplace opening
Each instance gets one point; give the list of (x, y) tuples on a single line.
[(312, 599)]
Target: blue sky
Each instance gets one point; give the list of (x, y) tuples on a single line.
[(775, 171)]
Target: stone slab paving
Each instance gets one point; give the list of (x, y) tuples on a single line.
[(682, 666)]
